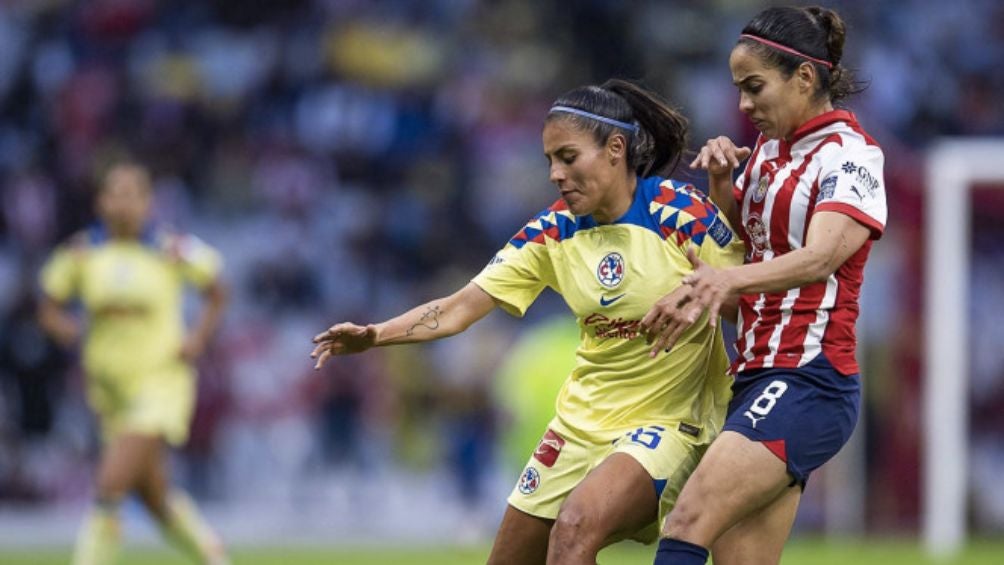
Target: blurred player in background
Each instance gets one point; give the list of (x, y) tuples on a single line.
[(629, 427), (810, 200), (129, 277), (528, 381)]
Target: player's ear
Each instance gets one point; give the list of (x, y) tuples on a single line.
[(616, 147), (806, 75)]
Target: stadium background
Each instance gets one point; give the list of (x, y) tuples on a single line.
[(354, 157)]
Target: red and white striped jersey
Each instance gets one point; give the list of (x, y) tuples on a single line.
[(830, 164)]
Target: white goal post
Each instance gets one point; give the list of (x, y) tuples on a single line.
[(954, 165)]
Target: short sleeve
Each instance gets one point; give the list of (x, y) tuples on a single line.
[(852, 183), (516, 276), (687, 217), (722, 247), (200, 263), (60, 275)]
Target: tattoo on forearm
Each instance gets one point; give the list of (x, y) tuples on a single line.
[(429, 320)]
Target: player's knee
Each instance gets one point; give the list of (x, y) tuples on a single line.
[(682, 520), (112, 486), (574, 529), (155, 503)]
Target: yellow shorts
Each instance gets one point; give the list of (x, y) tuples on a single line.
[(563, 458), (158, 404)]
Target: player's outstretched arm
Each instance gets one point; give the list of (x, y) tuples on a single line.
[(832, 239), (435, 319)]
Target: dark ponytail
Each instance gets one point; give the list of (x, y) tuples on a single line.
[(661, 138), (815, 31)]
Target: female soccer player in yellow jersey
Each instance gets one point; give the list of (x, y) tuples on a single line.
[(629, 427), (137, 356)]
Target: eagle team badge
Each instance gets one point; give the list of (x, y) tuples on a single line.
[(610, 271), (529, 481)]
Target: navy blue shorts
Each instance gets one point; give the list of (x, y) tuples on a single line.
[(803, 415)]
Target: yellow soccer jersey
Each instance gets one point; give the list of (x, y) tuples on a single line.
[(132, 292), (610, 275)]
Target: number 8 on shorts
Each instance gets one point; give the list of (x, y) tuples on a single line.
[(766, 401)]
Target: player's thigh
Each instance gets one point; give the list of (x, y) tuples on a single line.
[(736, 477), (760, 537), (669, 456), (124, 461), (153, 483), (615, 501), (521, 539)]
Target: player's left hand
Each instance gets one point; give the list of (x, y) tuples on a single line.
[(711, 288), (668, 318), (342, 339)]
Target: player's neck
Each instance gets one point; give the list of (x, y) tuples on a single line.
[(122, 233), (620, 201), (810, 113)]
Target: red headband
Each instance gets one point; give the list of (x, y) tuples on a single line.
[(787, 49)]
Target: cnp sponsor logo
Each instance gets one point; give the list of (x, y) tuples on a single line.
[(862, 177)]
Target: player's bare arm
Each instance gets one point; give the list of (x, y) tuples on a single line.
[(433, 320), (720, 157), (832, 239), (214, 299), (58, 322)]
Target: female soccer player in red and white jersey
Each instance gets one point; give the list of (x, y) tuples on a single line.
[(809, 202)]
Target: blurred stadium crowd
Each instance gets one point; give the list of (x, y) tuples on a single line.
[(351, 158)]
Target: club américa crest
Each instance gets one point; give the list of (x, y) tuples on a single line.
[(610, 271), (529, 481)]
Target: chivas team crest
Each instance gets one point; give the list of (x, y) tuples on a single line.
[(761, 188)]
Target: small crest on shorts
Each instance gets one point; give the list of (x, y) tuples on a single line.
[(610, 271), (548, 449), (529, 481)]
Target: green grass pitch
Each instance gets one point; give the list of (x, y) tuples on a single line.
[(799, 552)]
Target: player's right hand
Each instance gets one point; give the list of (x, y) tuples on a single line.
[(342, 339), (668, 318), (720, 156)]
